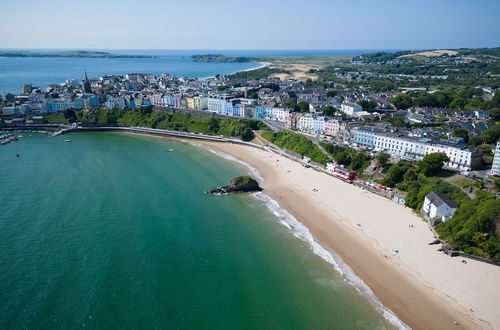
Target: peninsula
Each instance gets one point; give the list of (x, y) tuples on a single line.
[(76, 53), (219, 58)]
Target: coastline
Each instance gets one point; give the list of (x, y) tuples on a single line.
[(262, 65), (407, 282)]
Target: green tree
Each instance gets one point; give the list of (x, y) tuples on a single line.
[(494, 113), (382, 159), (463, 133), (402, 101), (458, 103), (244, 132), (395, 173), (432, 163), (213, 125), (70, 115), (368, 105), (328, 110), (301, 106)]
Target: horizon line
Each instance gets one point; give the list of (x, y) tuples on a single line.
[(247, 49)]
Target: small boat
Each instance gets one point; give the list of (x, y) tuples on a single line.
[(18, 155), (68, 140), (170, 150), (20, 136)]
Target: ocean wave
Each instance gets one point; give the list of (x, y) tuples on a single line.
[(302, 232)]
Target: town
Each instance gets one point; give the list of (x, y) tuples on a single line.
[(351, 116)]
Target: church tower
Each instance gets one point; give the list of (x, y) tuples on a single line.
[(86, 85)]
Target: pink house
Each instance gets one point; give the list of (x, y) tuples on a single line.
[(332, 126)]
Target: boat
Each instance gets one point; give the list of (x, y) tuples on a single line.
[(170, 150), (67, 140)]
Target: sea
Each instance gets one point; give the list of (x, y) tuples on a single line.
[(42, 71), (114, 231)]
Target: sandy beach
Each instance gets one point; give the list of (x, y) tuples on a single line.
[(423, 287)]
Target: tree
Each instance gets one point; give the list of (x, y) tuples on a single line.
[(302, 106), (402, 101), (254, 96), (396, 173), (244, 132), (368, 105), (457, 103), (223, 87), (382, 159), (328, 110), (432, 163), (9, 97), (145, 109), (213, 125), (331, 93), (379, 86), (273, 86), (463, 133), (70, 115), (495, 113)]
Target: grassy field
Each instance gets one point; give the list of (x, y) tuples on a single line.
[(464, 182), (298, 67), (305, 60)]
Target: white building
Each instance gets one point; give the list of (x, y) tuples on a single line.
[(306, 123), (220, 104), (318, 125), (279, 114), (438, 208), (495, 167), (350, 108), (402, 146), (114, 103)]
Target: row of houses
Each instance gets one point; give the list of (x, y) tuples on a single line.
[(400, 145), (310, 123)]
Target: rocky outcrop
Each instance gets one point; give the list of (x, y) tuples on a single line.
[(238, 184)]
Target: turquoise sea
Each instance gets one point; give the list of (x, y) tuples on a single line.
[(17, 71), (113, 231)]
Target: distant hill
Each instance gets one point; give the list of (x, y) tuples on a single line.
[(220, 58), (80, 53), (382, 57)]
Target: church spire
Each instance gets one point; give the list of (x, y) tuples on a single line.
[(86, 85)]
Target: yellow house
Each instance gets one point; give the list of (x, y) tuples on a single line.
[(190, 103)]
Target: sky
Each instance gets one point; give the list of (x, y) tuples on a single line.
[(256, 24)]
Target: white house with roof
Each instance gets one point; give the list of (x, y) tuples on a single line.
[(280, 114), (350, 108), (438, 208), (318, 125), (306, 122), (402, 146)]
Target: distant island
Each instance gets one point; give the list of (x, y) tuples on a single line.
[(220, 58), (79, 53)]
